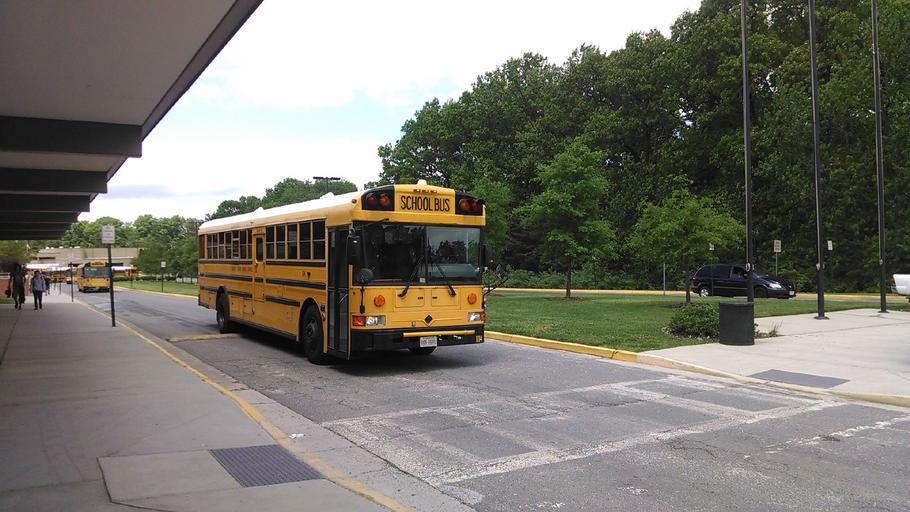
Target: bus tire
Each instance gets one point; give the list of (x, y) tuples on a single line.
[(223, 315), (422, 351), (311, 336)]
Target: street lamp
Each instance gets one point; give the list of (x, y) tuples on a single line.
[(879, 172), (327, 179), (820, 264)]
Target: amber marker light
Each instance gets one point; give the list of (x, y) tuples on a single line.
[(379, 301), (472, 298)]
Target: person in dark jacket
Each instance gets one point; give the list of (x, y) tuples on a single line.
[(17, 286)]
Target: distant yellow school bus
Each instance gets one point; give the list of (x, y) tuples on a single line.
[(93, 276), (393, 267)]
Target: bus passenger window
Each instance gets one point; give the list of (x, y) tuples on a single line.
[(221, 246), (244, 252), (319, 240), (292, 241), (259, 249), (305, 253), (270, 242), (279, 242), (235, 245)]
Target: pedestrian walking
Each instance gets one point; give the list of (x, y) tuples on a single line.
[(39, 284), (17, 286)]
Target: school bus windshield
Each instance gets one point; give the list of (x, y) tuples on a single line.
[(419, 253), (94, 272)]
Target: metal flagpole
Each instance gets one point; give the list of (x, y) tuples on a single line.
[(820, 264), (880, 173), (747, 144)]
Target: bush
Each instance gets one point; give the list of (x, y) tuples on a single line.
[(695, 321)]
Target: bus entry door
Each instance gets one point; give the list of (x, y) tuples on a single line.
[(258, 284), (338, 322)]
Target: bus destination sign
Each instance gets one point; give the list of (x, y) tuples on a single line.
[(419, 203)]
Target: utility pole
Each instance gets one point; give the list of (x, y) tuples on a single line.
[(879, 171), (747, 150), (327, 179), (820, 264)]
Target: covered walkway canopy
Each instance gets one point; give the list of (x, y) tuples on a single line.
[(81, 86)]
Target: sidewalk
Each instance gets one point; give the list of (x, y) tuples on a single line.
[(95, 418), (857, 351)]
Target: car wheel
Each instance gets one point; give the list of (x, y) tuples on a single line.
[(311, 336), (422, 351), (704, 291), (761, 292), (223, 315)]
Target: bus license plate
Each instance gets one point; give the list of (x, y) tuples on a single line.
[(427, 341)]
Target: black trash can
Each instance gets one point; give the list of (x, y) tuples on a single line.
[(737, 323)]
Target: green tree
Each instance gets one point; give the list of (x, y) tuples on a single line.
[(292, 190), (568, 216), (14, 251), (497, 198), (230, 207), (679, 232)]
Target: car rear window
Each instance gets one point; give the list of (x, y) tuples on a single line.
[(703, 272), (721, 271)]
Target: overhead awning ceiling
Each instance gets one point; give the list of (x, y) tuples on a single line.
[(81, 86)]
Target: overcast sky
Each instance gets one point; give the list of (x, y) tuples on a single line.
[(313, 88)]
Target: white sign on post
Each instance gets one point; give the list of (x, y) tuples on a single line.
[(710, 246), (107, 234), (163, 264), (777, 246), (830, 245)]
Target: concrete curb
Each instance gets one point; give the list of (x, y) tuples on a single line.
[(846, 296), (156, 293), (666, 362)]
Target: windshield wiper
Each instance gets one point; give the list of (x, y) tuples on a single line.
[(445, 279), (413, 275)]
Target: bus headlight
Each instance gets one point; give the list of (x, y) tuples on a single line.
[(367, 321), (476, 316)]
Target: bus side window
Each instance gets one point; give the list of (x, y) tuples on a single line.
[(270, 242), (292, 241), (279, 242), (259, 249), (319, 240), (305, 252), (244, 253)]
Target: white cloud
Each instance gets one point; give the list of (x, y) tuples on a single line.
[(321, 54), (190, 175)]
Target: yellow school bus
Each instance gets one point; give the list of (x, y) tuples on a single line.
[(93, 276), (394, 267)]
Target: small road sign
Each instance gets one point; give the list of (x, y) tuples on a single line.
[(710, 246), (163, 264), (777, 246), (830, 245), (107, 234)]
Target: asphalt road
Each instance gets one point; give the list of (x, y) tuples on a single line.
[(505, 427)]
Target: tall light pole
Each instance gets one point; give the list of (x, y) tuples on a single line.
[(327, 179), (747, 149), (880, 173), (820, 263)]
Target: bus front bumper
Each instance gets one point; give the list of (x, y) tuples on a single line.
[(393, 339)]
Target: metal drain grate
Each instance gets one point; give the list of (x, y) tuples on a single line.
[(270, 464)]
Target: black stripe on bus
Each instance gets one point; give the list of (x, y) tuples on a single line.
[(209, 288), (240, 294), (259, 280), (285, 263), (295, 282), (227, 276), (265, 328), (279, 300), (227, 262)]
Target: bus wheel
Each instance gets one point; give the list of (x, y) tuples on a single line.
[(311, 337), (422, 351), (222, 315)]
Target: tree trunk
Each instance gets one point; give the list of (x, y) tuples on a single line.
[(688, 291), (569, 280)]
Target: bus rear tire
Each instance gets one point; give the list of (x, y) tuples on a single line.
[(312, 338), (422, 351), (223, 315)]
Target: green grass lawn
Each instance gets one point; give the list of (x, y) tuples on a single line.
[(628, 322), (155, 286)]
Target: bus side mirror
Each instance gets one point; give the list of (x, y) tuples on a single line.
[(354, 250), (487, 255)]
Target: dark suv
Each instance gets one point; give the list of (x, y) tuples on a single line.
[(730, 280)]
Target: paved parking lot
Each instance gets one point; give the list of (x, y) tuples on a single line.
[(508, 427)]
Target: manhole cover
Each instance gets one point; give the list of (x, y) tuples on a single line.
[(271, 464)]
